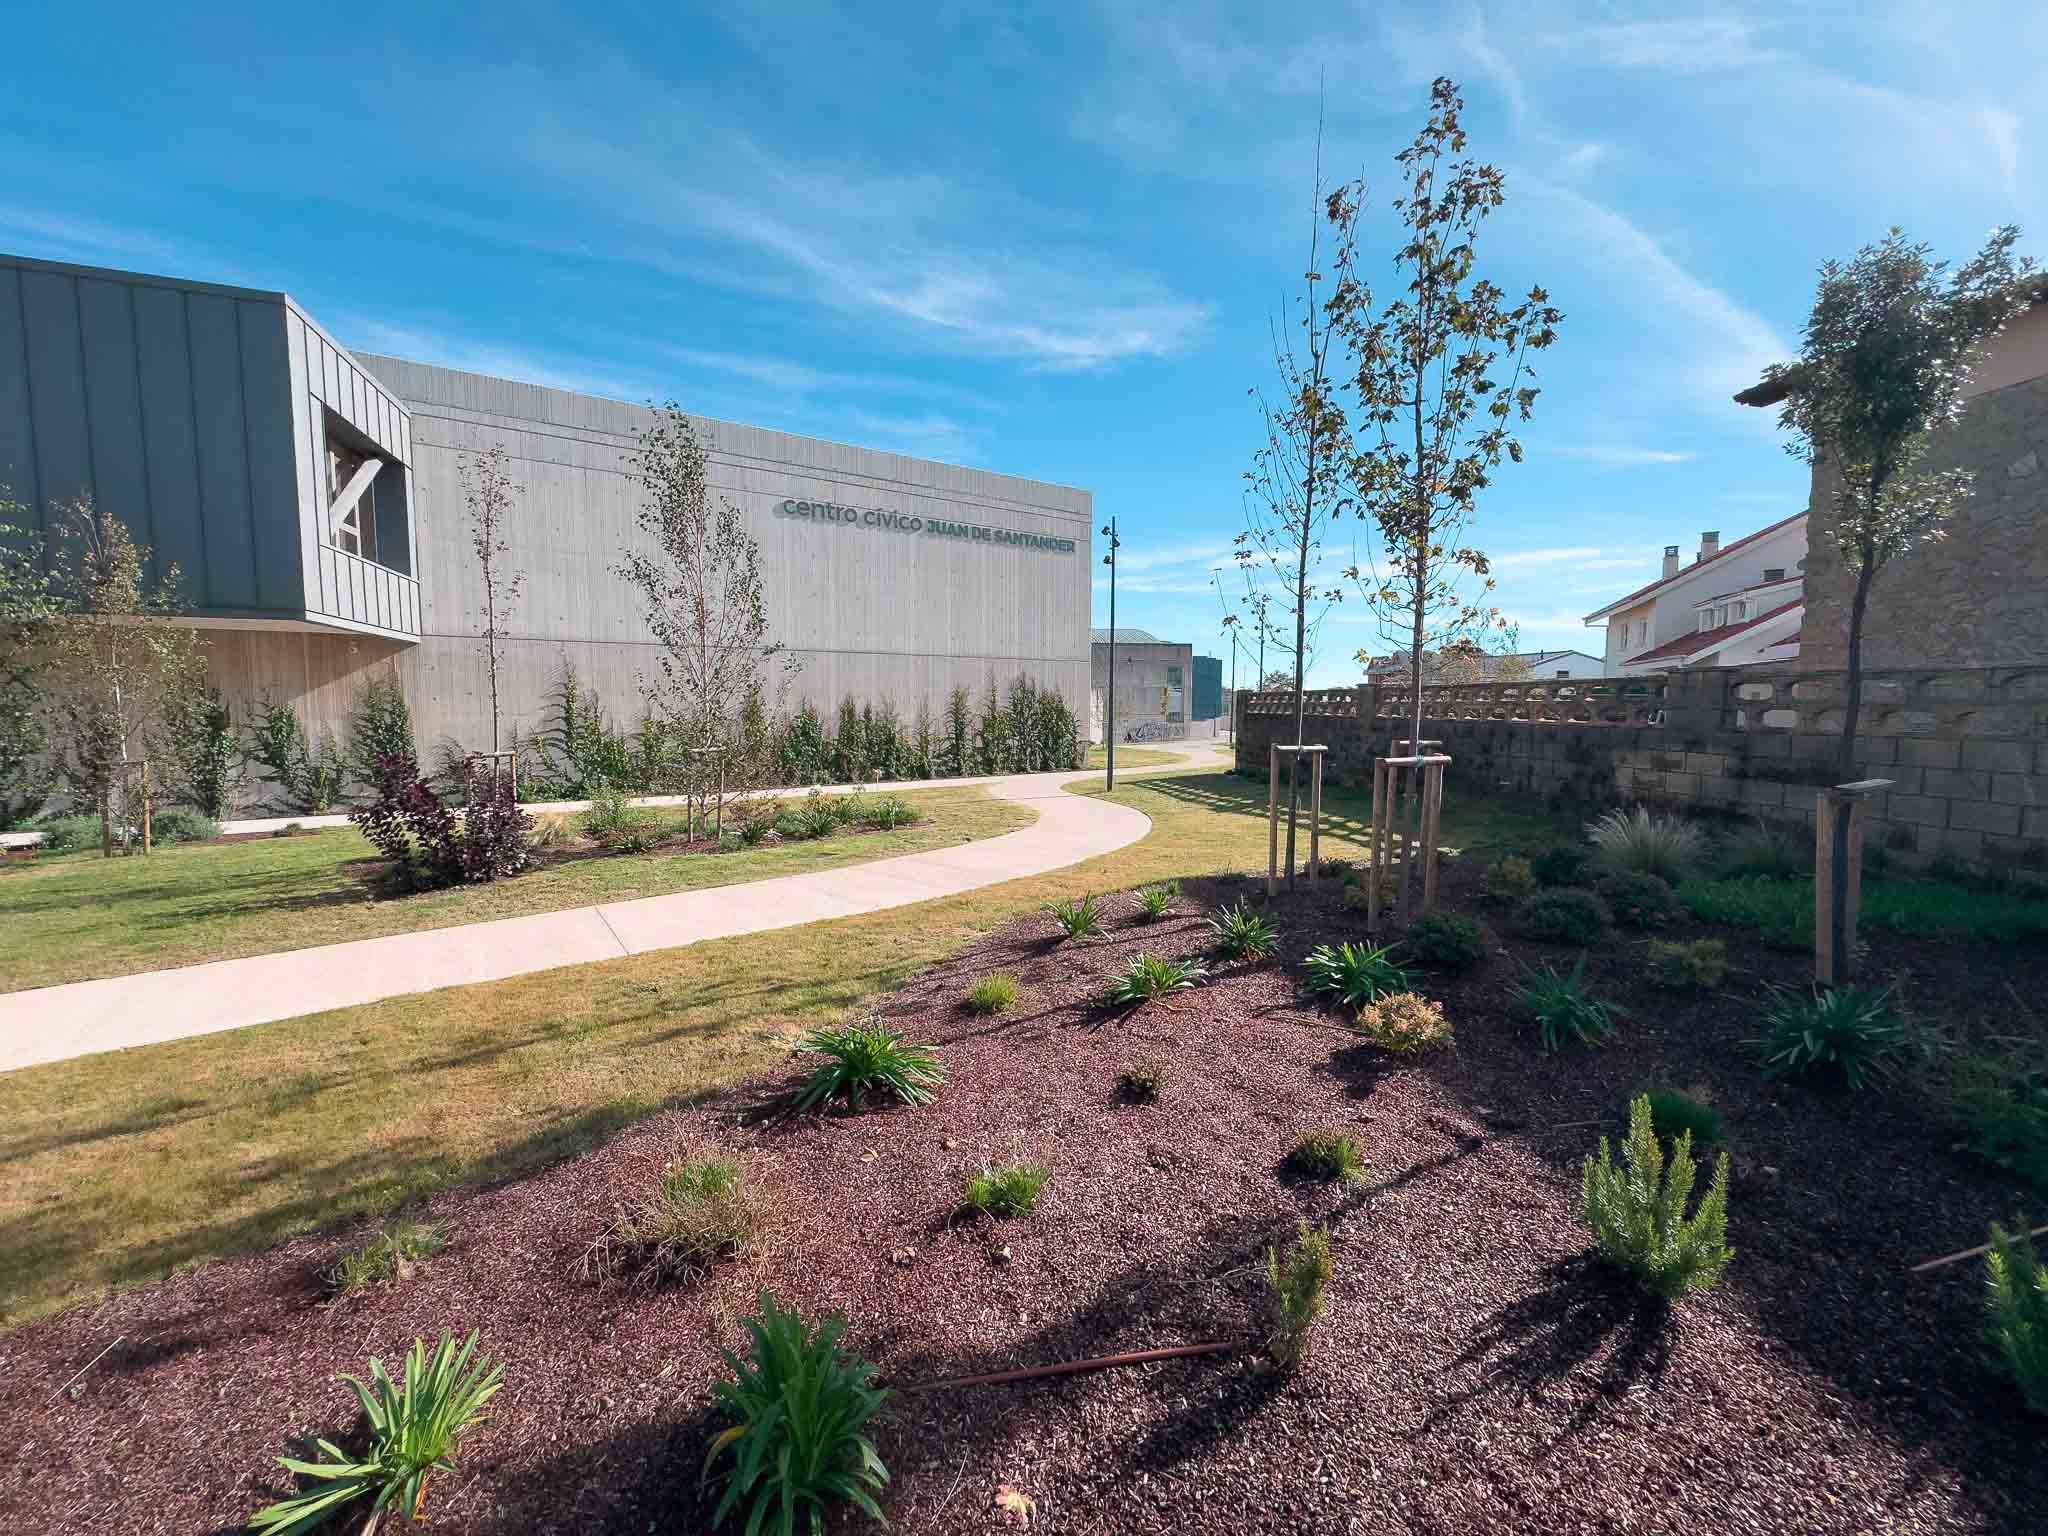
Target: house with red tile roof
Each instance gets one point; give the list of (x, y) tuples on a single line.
[(1733, 605)]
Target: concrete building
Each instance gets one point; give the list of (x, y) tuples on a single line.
[(311, 500), (1517, 666), (1973, 598), (1152, 681), (1733, 606)]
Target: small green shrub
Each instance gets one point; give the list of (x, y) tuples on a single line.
[(1007, 1189), (2016, 1308), (1404, 1024), (1142, 1084), (1563, 1011), (868, 1059), (1353, 974), (1638, 1215), (1563, 915), (1343, 871), (180, 826), (1636, 838), (801, 1407), (1782, 910), (1151, 976), (1637, 900), (1999, 1097), (1566, 864), (68, 834), (697, 1213), (387, 1254), (992, 994), (1674, 1114), (1078, 919), (887, 813), (412, 1429), (1445, 941), (549, 832), (1243, 932), (1679, 965), (814, 816), (1326, 1153), (1767, 854), (1296, 1291), (1155, 901), (1510, 879), (618, 826), (1853, 1034)]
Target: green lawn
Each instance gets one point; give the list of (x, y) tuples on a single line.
[(76, 916), (123, 1166), (1130, 757)]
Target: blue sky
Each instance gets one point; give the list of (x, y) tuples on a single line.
[(1047, 240)]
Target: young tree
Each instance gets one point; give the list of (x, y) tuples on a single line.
[(706, 605), (1882, 363), (1441, 373), (26, 606), (488, 491), (1295, 489), (121, 665), (1884, 357)]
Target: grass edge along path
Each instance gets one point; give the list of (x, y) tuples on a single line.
[(124, 1166), (78, 917)]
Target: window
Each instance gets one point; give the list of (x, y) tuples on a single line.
[(1737, 612), (1706, 620), (1774, 573), (352, 528), (1564, 671)]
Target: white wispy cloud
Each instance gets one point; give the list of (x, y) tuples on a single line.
[(1207, 554), (1683, 45), (1620, 456), (1589, 556), (481, 356)]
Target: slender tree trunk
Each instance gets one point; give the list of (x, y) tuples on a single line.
[(1845, 767)]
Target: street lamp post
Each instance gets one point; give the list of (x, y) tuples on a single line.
[(1231, 725), (1109, 736)]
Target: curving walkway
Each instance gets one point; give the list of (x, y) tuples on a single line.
[(56, 1023)]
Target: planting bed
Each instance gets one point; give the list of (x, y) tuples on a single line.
[(1474, 1373)]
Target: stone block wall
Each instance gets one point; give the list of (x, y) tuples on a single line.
[(1965, 749), (1973, 598)]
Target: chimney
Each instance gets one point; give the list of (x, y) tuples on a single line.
[(1710, 544), (1670, 561)]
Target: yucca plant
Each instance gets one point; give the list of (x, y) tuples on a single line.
[(1638, 1215), (1150, 976), (1243, 932), (1155, 901), (1635, 838), (1353, 974), (864, 1059), (2016, 1307), (1829, 1030), (1078, 919), (1006, 1189), (1563, 1011), (413, 1426), (800, 1444), (888, 813), (1295, 1290)]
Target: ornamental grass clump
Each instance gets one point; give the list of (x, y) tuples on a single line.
[(390, 1254), (1141, 1084), (1297, 1285), (887, 813), (1078, 919), (1637, 1214), (1404, 1024), (1243, 932), (992, 994), (799, 1443), (1005, 1190), (696, 1213), (1353, 974), (1150, 977), (1841, 1032), (1563, 1011), (1327, 1153), (1636, 838), (1687, 965), (868, 1060), (412, 1428), (2016, 1321), (1155, 901)]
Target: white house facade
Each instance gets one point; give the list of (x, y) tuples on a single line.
[(1732, 606)]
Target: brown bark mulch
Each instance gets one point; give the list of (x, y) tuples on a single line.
[(1475, 1372)]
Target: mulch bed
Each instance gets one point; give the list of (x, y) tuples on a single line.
[(1475, 1372)]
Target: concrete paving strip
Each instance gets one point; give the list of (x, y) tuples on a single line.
[(48, 1024)]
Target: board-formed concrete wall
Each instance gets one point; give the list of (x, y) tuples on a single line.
[(1965, 749), (899, 614)]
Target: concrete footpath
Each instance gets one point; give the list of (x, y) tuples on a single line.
[(56, 1023)]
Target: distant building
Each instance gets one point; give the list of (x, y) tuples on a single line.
[(1466, 667), (1152, 685), (1736, 606), (1208, 703)]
